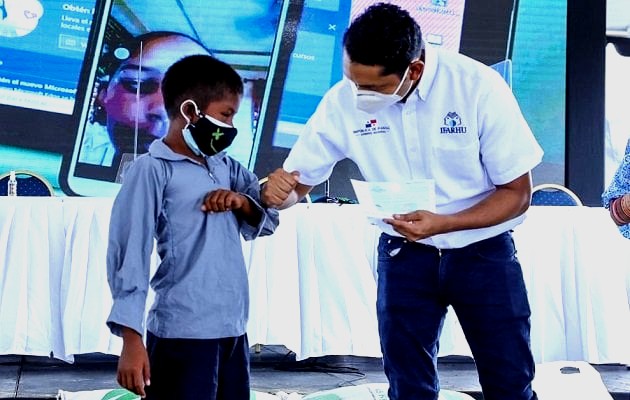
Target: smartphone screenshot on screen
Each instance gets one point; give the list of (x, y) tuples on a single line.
[(44, 47), (315, 63), (123, 111), (42, 57)]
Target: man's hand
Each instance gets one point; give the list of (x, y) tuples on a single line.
[(279, 186), (508, 201), (133, 365), (223, 200), (417, 225)]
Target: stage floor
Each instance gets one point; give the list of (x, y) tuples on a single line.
[(273, 369)]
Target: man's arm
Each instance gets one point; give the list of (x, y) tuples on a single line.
[(508, 201), (282, 189)]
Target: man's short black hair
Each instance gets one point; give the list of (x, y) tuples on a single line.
[(111, 64), (385, 35), (133, 44), (201, 78)]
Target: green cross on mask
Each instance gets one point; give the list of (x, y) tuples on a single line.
[(216, 135)]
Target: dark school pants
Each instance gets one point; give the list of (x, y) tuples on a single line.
[(484, 284), (198, 369)]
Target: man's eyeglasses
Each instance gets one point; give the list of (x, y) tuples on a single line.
[(145, 86), (134, 81)]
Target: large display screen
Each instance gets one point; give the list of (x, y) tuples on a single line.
[(309, 61), (53, 40), (44, 46), (137, 44), (76, 74), (315, 63)]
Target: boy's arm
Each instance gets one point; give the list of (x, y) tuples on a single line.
[(132, 223), (130, 244), (226, 200), (259, 221), (243, 198), (133, 365)]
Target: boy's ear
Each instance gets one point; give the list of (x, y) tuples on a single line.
[(190, 111)]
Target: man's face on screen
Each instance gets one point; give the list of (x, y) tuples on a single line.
[(133, 95)]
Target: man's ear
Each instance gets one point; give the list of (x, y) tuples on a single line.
[(99, 114), (101, 96), (416, 69)]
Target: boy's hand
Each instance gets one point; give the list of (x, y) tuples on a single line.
[(223, 200), (133, 365), (280, 184)]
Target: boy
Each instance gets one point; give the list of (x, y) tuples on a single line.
[(196, 202)]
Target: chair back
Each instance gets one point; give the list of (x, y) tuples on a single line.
[(29, 183), (551, 194)]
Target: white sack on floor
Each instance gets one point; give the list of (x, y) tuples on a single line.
[(576, 380), (373, 391), (103, 394), (122, 394), (370, 391)]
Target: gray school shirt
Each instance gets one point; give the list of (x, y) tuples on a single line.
[(201, 286)]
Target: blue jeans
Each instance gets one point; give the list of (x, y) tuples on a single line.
[(484, 284)]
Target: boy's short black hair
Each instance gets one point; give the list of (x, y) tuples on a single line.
[(201, 78), (385, 35)]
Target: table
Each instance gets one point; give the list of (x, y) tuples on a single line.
[(312, 282)]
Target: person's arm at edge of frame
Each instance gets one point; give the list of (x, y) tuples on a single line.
[(619, 209), (616, 197), (282, 189), (508, 201)]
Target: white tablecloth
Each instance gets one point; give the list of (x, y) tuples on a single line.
[(312, 282)]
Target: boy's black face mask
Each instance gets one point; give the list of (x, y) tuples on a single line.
[(207, 136)]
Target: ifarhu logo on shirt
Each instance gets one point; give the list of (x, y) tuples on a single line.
[(452, 124)]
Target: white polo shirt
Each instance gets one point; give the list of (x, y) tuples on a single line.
[(461, 127)]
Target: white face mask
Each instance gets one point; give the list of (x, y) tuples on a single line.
[(370, 101)]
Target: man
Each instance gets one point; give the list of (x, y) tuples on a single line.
[(133, 96), (441, 116)]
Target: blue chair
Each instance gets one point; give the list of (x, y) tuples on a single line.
[(551, 194), (28, 184)]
